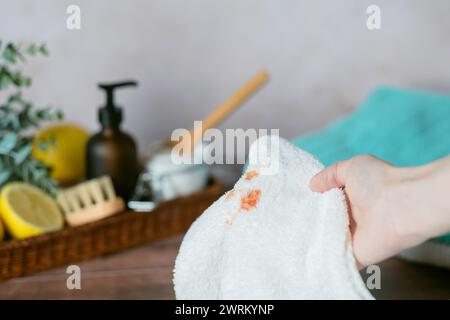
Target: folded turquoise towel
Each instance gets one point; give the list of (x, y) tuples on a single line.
[(404, 127)]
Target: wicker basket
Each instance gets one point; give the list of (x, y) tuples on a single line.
[(72, 244)]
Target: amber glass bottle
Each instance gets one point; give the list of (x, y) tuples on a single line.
[(111, 151)]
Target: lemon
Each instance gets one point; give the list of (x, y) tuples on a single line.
[(64, 152), (28, 211)]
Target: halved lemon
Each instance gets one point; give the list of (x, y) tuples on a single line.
[(28, 211)]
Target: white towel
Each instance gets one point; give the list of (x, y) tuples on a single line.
[(271, 237)]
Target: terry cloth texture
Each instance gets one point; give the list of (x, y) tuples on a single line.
[(403, 127), (271, 237)]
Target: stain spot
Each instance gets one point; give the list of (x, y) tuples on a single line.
[(250, 200), (230, 194), (251, 174), (229, 221)]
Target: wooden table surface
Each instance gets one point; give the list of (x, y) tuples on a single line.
[(146, 273)]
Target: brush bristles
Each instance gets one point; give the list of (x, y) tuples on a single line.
[(86, 195)]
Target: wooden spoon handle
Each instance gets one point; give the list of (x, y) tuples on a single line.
[(225, 109)]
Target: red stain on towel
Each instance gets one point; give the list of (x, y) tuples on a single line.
[(250, 200), (251, 174), (229, 195)]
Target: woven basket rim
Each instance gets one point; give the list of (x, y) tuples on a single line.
[(12, 244)]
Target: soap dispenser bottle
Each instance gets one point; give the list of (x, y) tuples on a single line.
[(111, 151)]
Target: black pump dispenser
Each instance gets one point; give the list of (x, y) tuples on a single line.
[(110, 115), (111, 151)]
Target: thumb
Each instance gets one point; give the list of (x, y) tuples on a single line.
[(334, 176)]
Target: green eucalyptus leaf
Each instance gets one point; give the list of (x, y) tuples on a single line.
[(12, 53), (16, 78), (20, 80), (4, 176), (44, 50), (21, 155), (16, 116), (16, 97), (42, 145), (59, 115), (15, 122), (5, 79), (8, 142), (25, 175), (32, 49), (9, 55), (26, 81)]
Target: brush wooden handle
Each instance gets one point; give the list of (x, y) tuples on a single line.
[(226, 108), (96, 212)]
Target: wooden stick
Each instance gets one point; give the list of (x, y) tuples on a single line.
[(222, 111)]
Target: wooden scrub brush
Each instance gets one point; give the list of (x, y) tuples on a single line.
[(90, 201)]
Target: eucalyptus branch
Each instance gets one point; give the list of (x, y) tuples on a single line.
[(18, 116)]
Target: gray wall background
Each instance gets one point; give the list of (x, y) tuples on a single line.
[(188, 56)]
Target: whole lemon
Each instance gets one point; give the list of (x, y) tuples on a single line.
[(63, 148)]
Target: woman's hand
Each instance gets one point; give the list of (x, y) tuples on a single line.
[(390, 208)]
